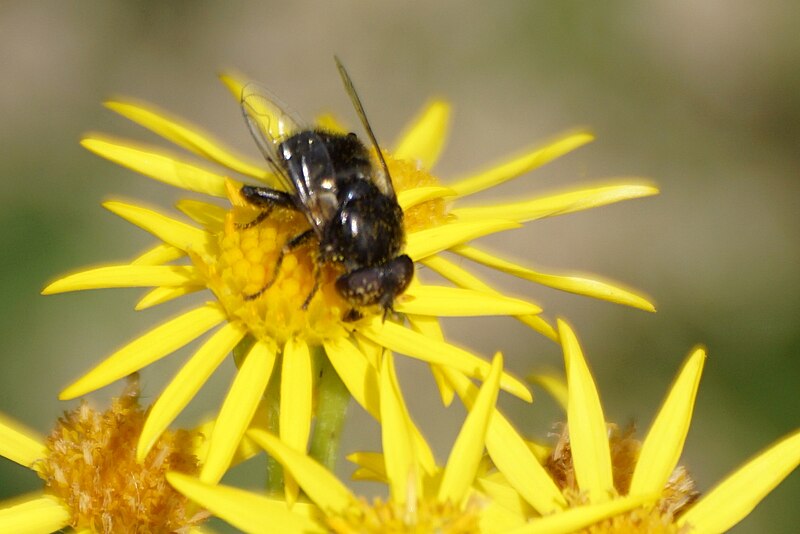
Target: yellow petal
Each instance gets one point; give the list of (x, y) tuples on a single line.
[(591, 287), (424, 138), (558, 203), (212, 217), (540, 450), (186, 383), (398, 449), (161, 295), (497, 488), (462, 465), (424, 243), (238, 410), (511, 455), (157, 164), (521, 165), (317, 482), (360, 378), (370, 461), (296, 393), (552, 384), (20, 444), (580, 517), (159, 255), (467, 280), (245, 510), (456, 274), (360, 474), (497, 519), (588, 435), (417, 195), (186, 135), (175, 233), (400, 339), (372, 351), (429, 326), (234, 82), (662, 448), (36, 513), (247, 447), (330, 123), (737, 495), (444, 301), (155, 344), (125, 276), (537, 323)]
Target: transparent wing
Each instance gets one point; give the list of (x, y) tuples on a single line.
[(381, 179), (270, 124), (304, 166)]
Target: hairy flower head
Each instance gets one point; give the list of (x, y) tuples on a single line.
[(93, 481)]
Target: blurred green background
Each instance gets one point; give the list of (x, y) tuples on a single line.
[(703, 97)]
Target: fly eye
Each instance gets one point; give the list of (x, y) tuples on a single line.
[(376, 285), (399, 273), (361, 287)]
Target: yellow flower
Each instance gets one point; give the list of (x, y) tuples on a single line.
[(423, 497), (226, 254), (609, 482), (93, 482)]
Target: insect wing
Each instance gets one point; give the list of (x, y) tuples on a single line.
[(381, 179), (304, 167), (312, 174), (270, 124)]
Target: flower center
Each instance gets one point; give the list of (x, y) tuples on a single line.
[(678, 493), (269, 297), (407, 175), (91, 466), (278, 295), (429, 516)]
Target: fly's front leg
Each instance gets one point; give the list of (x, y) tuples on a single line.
[(289, 246), (266, 199)]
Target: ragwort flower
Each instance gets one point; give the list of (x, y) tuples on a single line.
[(93, 481), (595, 466), (423, 497), (233, 258)]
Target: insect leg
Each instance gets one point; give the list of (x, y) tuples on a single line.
[(265, 198), (289, 246), (315, 288)]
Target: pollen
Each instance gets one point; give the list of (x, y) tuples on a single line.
[(407, 175), (91, 466), (424, 517), (265, 288), (676, 496)]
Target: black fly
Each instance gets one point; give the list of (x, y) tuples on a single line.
[(351, 206)]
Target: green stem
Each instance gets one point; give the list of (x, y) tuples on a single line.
[(272, 399), (333, 398)]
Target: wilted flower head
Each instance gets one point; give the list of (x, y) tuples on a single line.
[(93, 481)]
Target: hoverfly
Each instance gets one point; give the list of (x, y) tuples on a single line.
[(350, 204)]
